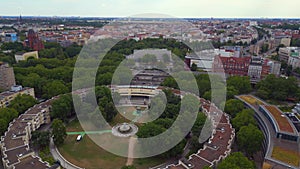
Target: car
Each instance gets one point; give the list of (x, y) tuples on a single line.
[(79, 137)]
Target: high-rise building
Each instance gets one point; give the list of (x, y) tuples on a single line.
[(7, 76), (33, 41)]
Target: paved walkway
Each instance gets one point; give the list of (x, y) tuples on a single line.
[(132, 142)]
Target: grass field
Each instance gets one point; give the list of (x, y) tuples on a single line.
[(90, 156), (287, 156)]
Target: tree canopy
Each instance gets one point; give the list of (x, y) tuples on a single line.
[(58, 132), (240, 83), (249, 139), (278, 88), (6, 116), (244, 118), (62, 107), (236, 161), (22, 102), (233, 107)]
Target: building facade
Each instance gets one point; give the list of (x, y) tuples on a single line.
[(33, 41), (25, 55), (231, 65), (14, 144), (7, 76), (8, 96)]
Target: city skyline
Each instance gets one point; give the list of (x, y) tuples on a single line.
[(175, 8)]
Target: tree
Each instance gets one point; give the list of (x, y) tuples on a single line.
[(73, 50), (207, 95), (15, 46), (264, 48), (170, 82), (58, 132), (149, 130), (250, 139), (22, 102), (244, 118), (194, 67), (62, 107), (35, 81), (40, 139), (199, 123), (236, 161), (242, 84), (54, 88), (233, 107), (277, 88), (6, 116), (280, 46), (231, 92)]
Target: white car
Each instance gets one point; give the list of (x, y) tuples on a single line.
[(79, 137)]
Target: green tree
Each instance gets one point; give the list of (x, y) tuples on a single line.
[(194, 67), (199, 123), (58, 132), (40, 139), (22, 102), (73, 50), (3, 126), (233, 107), (242, 84), (243, 118), (236, 161), (54, 88), (249, 139), (170, 82), (149, 130), (231, 92), (62, 107), (6, 116), (277, 88)]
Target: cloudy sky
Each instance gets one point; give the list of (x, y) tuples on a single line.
[(174, 8)]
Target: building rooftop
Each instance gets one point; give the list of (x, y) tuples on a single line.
[(283, 123), (14, 155), (32, 163)]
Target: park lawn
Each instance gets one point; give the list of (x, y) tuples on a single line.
[(145, 163), (74, 126), (287, 156), (119, 119), (88, 155)]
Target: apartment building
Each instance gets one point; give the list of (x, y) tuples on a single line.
[(7, 96), (16, 153), (7, 76)]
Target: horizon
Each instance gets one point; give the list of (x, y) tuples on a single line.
[(176, 8), (109, 17)]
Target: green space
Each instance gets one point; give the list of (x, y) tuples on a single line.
[(287, 156), (89, 155)]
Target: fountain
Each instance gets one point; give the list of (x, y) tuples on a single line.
[(124, 130)]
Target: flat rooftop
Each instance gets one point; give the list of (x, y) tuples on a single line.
[(283, 123)]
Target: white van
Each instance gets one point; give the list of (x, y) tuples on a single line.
[(79, 137)]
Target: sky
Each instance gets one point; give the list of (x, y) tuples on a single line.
[(172, 8)]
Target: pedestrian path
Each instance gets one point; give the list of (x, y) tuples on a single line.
[(82, 133)]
